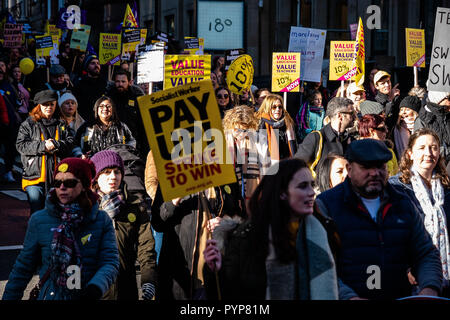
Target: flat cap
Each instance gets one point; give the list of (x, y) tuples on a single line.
[(45, 96), (370, 107), (57, 69), (368, 151)]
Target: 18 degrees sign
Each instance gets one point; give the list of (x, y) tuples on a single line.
[(240, 74)]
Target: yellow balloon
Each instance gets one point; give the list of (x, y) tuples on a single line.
[(26, 66)]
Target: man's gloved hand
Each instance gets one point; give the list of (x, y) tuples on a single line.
[(91, 292), (148, 291)]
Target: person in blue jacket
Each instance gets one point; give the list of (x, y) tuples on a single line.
[(382, 235), (71, 242)]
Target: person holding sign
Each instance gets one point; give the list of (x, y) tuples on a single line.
[(279, 128), (279, 253)]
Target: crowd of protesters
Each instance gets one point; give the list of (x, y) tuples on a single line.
[(378, 162)]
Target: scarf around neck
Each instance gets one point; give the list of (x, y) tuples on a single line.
[(432, 204), (64, 247), (111, 202)]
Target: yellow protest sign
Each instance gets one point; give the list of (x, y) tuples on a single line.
[(240, 74), (285, 71), (342, 54), (109, 48), (183, 69), (52, 30), (43, 45), (184, 130), (415, 47)]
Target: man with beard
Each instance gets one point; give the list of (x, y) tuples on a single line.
[(382, 235), (124, 94), (90, 87)]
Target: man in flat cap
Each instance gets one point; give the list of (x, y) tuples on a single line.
[(381, 232)]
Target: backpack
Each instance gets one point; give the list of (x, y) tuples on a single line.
[(134, 167)]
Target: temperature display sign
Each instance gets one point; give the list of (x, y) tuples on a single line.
[(221, 24)]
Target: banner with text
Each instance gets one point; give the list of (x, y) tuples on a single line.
[(184, 69), (110, 48), (80, 38), (415, 47), (311, 44), (342, 54), (184, 130), (439, 75), (12, 35), (286, 71)]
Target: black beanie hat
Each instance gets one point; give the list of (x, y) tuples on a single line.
[(411, 102)]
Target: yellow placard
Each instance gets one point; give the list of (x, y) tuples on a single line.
[(52, 30), (285, 71), (184, 130), (360, 54), (240, 74), (183, 69), (415, 47), (109, 48), (44, 44), (342, 54)]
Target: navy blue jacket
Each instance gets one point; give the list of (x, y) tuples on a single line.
[(408, 190), (396, 242)]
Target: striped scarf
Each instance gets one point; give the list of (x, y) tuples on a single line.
[(65, 250)]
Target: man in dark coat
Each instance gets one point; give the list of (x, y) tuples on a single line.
[(90, 87), (388, 96), (335, 137), (381, 232), (124, 94)]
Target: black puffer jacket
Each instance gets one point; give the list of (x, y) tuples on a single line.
[(435, 117), (32, 148)]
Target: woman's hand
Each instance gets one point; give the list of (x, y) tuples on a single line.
[(49, 146), (213, 223), (212, 255)]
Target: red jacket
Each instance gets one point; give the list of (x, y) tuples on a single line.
[(4, 118)]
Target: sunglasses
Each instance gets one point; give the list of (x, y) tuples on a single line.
[(225, 96), (68, 183), (277, 107)]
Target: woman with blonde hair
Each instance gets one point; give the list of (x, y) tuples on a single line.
[(240, 126), (423, 178), (272, 116)]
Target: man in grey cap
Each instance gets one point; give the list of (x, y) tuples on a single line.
[(382, 235), (57, 81)]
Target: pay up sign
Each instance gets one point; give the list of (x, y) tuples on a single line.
[(184, 130), (439, 75), (286, 72)]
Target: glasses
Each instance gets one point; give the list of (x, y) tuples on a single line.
[(225, 96), (68, 183), (277, 107), (105, 106), (382, 129), (348, 112)]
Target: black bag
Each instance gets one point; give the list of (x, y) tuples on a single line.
[(134, 167)]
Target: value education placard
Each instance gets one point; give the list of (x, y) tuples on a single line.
[(415, 47), (286, 71), (183, 69), (184, 130), (342, 54), (109, 48)]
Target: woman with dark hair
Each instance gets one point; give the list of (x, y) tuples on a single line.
[(106, 130), (71, 242), (331, 172), (260, 95), (281, 144), (43, 140), (310, 115), (373, 126), (22, 94), (218, 69), (279, 252), (224, 100), (423, 178)]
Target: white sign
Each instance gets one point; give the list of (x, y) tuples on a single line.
[(439, 75), (150, 67), (221, 24), (311, 43)]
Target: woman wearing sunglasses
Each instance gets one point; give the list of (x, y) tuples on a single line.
[(69, 235), (373, 126), (223, 96), (42, 141), (279, 128)]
